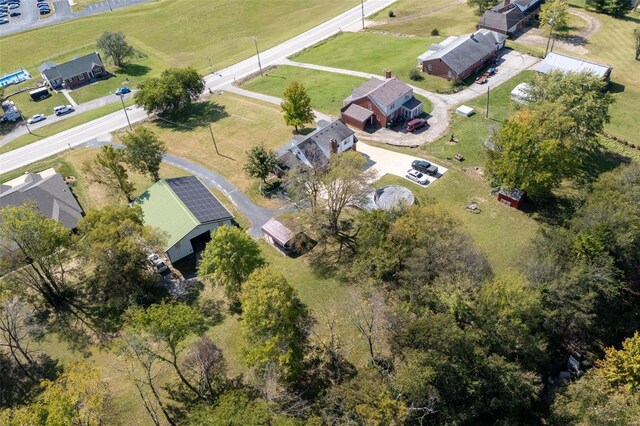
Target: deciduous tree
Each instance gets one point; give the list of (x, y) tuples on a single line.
[(261, 162), (297, 106), (482, 5), (144, 151), (172, 92), (554, 16), (114, 45), (229, 258), (108, 169), (167, 326), (114, 243), (275, 324)]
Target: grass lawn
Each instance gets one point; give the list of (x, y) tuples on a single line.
[(168, 33), (473, 131), (420, 18), (29, 107), (60, 126), (499, 231), (326, 89), (177, 32), (374, 53), (238, 123), (612, 45)]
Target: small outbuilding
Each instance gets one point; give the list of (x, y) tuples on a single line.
[(520, 93), (465, 111), (511, 197), (565, 63), (186, 211)]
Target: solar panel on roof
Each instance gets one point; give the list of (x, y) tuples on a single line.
[(198, 199)]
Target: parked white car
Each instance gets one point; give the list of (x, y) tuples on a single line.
[(417, 177), (63, 109), (36, 118), (157, 262)]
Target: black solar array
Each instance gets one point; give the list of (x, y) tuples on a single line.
[(198, 199)]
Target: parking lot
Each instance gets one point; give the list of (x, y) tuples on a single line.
[(29, 14), (390, 162)]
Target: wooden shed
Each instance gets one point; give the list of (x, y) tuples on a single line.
[(511, 197)]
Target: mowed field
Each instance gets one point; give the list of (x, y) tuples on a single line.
[(238, 123), (326, 90), (614, 45), (374, 53), (165, 33), (419, 17)]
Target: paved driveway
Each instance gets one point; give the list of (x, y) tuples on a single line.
[(394, 163)]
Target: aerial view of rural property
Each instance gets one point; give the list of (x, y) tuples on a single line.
[(319, 212)]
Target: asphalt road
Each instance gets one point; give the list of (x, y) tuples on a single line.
[(79, 135)]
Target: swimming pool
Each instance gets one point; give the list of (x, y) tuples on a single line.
[(14, 77)]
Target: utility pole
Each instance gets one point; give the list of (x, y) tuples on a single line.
[(552, 23), (210, 66), (255, 40), (125, 111), (362, 9), (214, 139), (26, 123), (109, 3), (487, 113)]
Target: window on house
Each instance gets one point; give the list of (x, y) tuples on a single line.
[(81, 77), (449, 74), (429, 67)]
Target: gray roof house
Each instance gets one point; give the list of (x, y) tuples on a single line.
[(73, 73), (459, 57), (49, 191), (315, 149), (385, 100), (509, 16)]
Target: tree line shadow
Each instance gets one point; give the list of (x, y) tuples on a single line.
[(196, 115)]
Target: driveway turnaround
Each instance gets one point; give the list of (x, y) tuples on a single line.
[(78, 135), (389, 162)]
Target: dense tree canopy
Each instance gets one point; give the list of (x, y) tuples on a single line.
[(229, 258), (172, 92), (275, 324)]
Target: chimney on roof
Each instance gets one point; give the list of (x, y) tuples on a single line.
[(334, 146), (387, 74)]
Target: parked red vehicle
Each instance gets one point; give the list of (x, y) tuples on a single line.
[(416, 124)]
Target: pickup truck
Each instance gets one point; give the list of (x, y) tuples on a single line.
[(424, 167)]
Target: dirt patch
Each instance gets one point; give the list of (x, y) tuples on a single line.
[(475, 172), (573, 43)]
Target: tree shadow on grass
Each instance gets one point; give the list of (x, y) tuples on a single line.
[(134, 70), (196, 115), (559, 208)]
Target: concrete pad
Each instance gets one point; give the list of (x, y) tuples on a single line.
[(390, 162)]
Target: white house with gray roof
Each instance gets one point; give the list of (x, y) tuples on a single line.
[(459, 57), (316, 148)]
